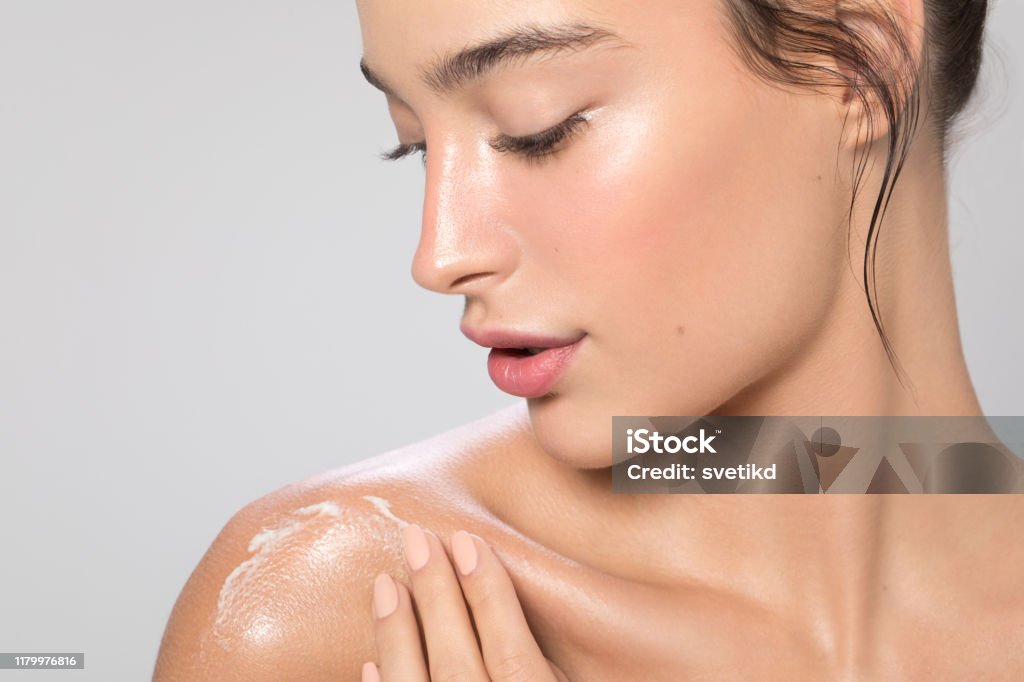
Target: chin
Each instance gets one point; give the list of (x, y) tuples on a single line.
[(577, 437)]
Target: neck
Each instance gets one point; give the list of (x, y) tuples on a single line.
[(844, 369)]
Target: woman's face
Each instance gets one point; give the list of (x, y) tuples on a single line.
[(692, 227)]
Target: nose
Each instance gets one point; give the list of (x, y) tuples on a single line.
[(464, 244)]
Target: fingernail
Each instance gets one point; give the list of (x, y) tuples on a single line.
[(385, 596), (370, 672), (464, 550), (417, 551)]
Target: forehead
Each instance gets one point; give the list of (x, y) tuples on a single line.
[(400, 37), (433, 22)]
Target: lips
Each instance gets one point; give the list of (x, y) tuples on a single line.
[(498, 338), (526, 365)]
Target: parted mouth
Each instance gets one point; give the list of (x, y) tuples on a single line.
[(522, 351)]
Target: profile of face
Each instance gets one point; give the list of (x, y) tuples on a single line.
[(688, 217)]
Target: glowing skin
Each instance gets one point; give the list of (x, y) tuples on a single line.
[(694, 229), (704, 256), (312, 535), (234, 595)]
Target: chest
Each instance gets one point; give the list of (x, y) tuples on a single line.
[(600, 631)]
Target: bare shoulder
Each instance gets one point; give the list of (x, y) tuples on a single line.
[(285, 589)]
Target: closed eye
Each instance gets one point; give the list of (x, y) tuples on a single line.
[(403, 150), (531, 147), (543, 143)]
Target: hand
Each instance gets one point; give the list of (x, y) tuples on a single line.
[(506, 652)]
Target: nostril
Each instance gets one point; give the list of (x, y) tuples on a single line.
[(465, 279)]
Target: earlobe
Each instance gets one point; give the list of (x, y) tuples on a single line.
[(886, 38)]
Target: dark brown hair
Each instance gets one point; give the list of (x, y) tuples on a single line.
[(784, 40)]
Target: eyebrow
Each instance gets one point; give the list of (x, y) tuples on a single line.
[(455, 70)]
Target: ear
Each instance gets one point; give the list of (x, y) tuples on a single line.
[(889, 35)]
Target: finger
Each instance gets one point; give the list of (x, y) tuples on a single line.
[(511, 653), (396, 633), (452, 649)]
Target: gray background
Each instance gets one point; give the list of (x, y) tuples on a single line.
[(205, 291)]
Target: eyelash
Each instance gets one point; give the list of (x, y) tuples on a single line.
[(531, 147)]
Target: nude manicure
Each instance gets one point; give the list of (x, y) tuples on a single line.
[(417, 551), (464, 550), (370, 672), (385, 596)]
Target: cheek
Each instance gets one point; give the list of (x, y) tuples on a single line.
[(721, 240), (711, 217)]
